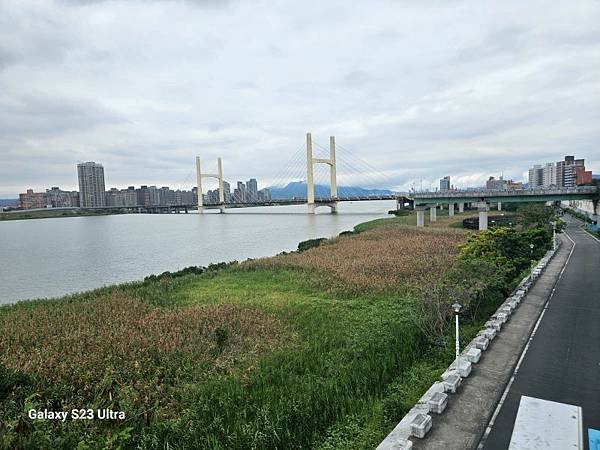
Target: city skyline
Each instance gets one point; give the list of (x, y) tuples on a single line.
[(416, 95), (543, 175), (93, 193)]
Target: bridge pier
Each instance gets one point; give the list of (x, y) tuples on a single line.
[(433, 213), (420, 216), (200, 176), (310, 185), (461, 207), (451, 209), (483, 209), (499, 206)]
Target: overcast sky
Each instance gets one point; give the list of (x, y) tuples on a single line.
[(418, 89)]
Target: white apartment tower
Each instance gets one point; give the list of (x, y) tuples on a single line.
[(549, 175), (91, 185), (536, 177)]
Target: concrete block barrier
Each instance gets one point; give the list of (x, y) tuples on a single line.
[(481, 342), (438, 402), (452, 383), (501, 316), (420, 425), (495, 324), (462, 366), (473, 355), (506, 310), (489, 333), (401, 444)]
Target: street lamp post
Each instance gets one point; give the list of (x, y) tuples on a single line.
[(531, 253), (456, 307)]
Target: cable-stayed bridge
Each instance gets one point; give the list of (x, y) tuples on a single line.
[(322, 188), (304, 168), (354, 167)]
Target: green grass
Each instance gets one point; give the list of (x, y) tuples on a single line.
[(343, 354), (342, 372)]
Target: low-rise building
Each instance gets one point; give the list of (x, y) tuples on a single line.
[(57, 198), (32, 200)]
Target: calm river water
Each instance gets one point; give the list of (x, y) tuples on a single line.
[(52, 257)]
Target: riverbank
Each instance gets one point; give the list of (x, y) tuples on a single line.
[(241, 355), (51, 213)]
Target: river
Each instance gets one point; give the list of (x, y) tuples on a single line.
[(45, 258)]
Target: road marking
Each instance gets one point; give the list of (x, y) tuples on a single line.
[(514, 374), (543, 424), (594, 439)]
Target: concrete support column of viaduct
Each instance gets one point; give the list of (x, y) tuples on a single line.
[(200, 176), (451, 209), (433, 213), (483, 209), (420, 215), (461, 207), (499, 206), (310, 182)]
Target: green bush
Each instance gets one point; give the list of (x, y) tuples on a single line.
[(508, 249), (399, 212), (310, 243)]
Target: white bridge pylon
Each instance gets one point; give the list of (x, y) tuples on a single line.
[(310, 183), (218, 176)]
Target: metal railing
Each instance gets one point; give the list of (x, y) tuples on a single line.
[(581, 190)]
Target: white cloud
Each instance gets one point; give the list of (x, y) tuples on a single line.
[(418, 89)]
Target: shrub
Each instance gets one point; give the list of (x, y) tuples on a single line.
[(399, 212), (310, 243), (508, 249)]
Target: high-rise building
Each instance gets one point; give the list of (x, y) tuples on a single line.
[(226, 192), (445, 184), (582, 176), (123, 197), (549, 175), (251, 190), (536, 177), (143, 196), (91, 185), (240, 192), (566, 173), (154, 195)]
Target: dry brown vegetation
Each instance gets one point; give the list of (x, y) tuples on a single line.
[(116, 340), (390, 257)]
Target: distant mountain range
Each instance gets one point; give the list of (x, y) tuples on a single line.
[(298, 189), (8, 202)]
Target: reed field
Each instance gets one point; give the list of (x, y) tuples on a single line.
[(324, 348), (386, 258)]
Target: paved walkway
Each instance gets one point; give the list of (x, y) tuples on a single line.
[(469, 411), (562, 363)]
